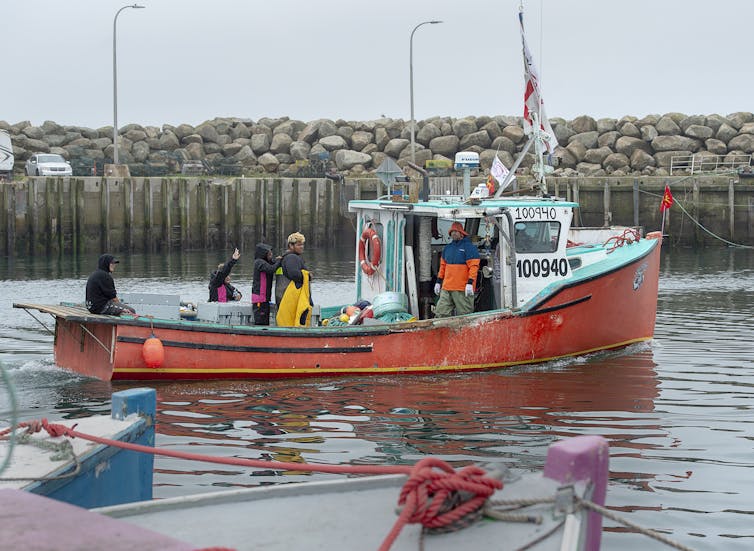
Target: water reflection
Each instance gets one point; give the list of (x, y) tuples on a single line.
[(508, 416)]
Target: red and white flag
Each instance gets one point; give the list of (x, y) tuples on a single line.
[(499, 172), (533, 103)]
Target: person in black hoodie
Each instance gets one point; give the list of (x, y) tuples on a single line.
[(220, 289), (261, 288), (101, 297)]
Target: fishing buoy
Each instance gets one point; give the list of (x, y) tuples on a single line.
[(153, 352)]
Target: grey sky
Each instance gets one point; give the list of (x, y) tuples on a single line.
[(189, 61)]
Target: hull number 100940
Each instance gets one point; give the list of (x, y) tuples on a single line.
[(536, 267), (534, 213)]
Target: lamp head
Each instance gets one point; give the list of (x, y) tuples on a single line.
[(137, 6)]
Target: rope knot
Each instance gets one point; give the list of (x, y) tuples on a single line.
[(441, 498), (55, 430)]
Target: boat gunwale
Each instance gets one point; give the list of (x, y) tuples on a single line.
[(78, 314)]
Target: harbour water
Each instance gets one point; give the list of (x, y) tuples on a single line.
[(678, 412)]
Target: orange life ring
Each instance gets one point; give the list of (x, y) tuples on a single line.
[(369, 263)]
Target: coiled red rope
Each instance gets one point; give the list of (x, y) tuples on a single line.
[(435, 495), (629, 235)]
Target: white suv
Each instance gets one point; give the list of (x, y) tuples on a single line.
[(48, 164)]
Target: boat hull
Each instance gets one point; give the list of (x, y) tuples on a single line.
[(606, 310)]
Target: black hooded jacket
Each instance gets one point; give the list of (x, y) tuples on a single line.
[(217, 279), (264, 274), (100, 286)]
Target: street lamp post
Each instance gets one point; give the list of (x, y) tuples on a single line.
[(411, 79), (115, 81)]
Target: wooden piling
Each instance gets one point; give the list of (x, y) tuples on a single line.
[(731, 210)]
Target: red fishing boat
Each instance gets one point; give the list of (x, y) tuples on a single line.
[(545, 291), (556, 301)]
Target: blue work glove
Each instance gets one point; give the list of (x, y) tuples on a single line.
[(469, 290), (437, 288)]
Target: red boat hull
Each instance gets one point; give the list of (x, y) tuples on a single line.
[(606, 311)]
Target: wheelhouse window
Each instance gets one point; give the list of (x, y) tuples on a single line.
[(537, 237)]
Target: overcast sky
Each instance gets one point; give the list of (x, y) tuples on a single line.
[(186, 61)]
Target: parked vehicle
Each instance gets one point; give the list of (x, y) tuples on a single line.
[(6, 156), (48, 164)]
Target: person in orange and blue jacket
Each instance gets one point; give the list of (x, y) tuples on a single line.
[(456, 279)]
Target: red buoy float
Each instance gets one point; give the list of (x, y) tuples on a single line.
[(369, 262), (153, 352)]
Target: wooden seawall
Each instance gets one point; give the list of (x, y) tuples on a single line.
[(49, 215)]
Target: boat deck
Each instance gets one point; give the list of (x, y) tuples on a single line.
[(68, 312), (335, 514)]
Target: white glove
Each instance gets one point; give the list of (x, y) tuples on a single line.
[(437, 288), (469, 290)]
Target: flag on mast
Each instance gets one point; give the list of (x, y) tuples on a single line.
[(499, 171), (533, 103), (667, 199)]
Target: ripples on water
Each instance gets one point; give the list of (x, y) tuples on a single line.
[(677, 412)]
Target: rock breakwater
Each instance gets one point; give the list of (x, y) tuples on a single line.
[(588, 146)]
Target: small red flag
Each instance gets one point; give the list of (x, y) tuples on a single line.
[(491, 184), (667, 199)]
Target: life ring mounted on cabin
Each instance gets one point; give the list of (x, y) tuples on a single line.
[(369, 261)]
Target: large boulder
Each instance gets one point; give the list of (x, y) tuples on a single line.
[(716, 146), (503, 143), (584, 123), (140, 151), (346, 159), (737, 120), (726, 133), (615, 161), (427, 133), (640, 160), (207, 132), (516, 134), (675, 143), (260, 143), (281, 143), (480, 138), (588, 139), (628, 145), (268, 162), (693, 120), (698, 131), (169, 141), (461, 127), (605, 125), (648, 133), (597, 156), (333, 142), (446, 146), (630, 129), (608, 139), (300, 150), (395, 146), (33, 132), (228, 150), (744, 142), (360, 139), (666, 126)]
